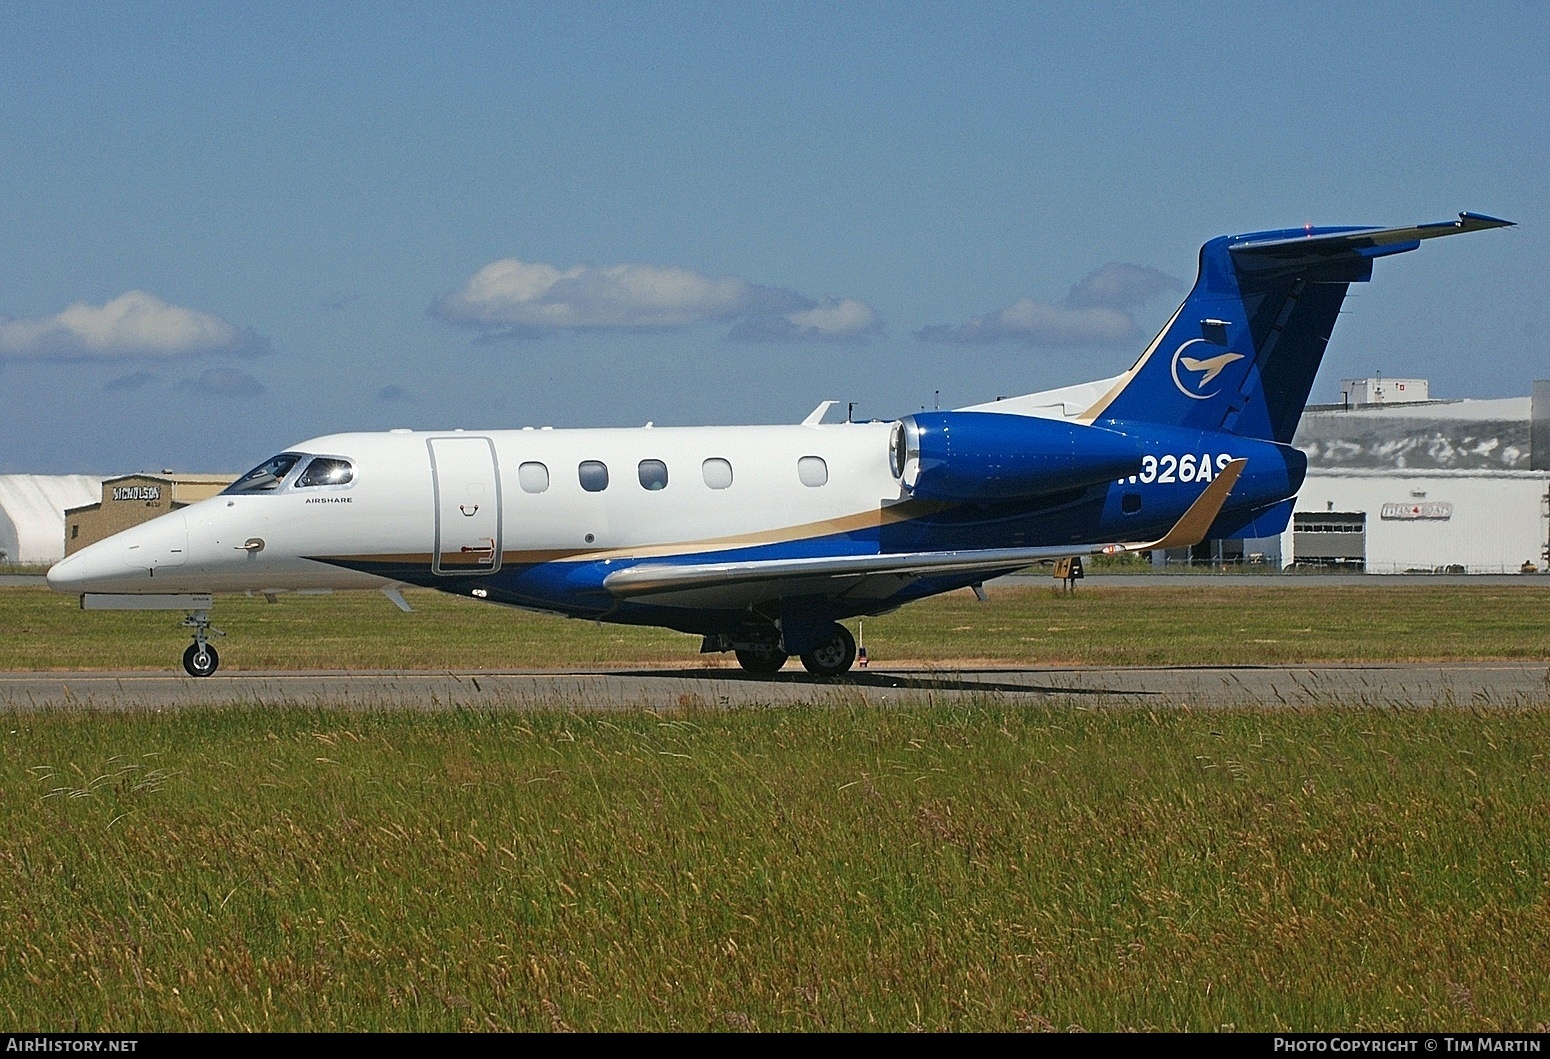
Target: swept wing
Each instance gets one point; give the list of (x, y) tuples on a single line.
[(863, 576)]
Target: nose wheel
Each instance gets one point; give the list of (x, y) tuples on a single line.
[(200, 660)]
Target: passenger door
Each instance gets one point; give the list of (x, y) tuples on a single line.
[(466, 481)]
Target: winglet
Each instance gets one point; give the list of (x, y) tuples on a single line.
[(1191, 527)]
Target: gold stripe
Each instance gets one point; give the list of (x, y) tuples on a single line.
[(901, 512), (885, 516), (1101, 405)]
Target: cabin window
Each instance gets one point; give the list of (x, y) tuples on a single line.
[(533, 477), (1130, 503), (593, 475), (717, 472), (812, 470), (653, 474), (326, 470), (266, 477)]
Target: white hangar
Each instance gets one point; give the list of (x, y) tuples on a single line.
[(32, 514), (1399, 483)]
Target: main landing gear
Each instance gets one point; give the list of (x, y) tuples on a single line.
[(832, 657), (763, 652), (200, 660), (761, 657)]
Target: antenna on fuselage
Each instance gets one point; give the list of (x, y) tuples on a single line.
[(816, 415)]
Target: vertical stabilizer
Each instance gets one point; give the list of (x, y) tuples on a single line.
[(1241, 353)]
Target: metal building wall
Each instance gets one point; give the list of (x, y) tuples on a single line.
[(131, 499), (1486, 522)]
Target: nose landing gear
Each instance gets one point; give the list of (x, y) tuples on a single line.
[(200, 660)]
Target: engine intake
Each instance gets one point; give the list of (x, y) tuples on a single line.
[(985, 456)]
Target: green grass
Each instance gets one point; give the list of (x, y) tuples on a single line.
[(1208, 623), (988, 868), (984, 867)]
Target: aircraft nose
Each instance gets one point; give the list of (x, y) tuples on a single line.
[(126, 561), (75, 572)]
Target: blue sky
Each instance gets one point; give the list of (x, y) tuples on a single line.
[(230, 227)]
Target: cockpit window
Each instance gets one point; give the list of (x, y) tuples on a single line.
[(266, 477), (326, 470)]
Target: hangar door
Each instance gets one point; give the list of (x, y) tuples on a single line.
[(468, 506), (1329, 538)]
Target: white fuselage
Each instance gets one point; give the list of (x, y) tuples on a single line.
[(470, 502)]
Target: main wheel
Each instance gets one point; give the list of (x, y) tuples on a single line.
[(764, 659), (200, 660), (832, 657)]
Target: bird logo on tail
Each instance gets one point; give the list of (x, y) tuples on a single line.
[(1209, 367)]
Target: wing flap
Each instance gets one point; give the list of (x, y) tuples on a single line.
[(850, 575)]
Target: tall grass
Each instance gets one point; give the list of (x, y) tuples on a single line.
[(987, 867)]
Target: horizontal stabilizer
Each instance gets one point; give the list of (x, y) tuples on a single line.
[(1329, 243)]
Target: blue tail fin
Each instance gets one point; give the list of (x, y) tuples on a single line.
[(1240, 354)]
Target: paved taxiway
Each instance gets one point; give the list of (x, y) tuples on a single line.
[(1470, 684), (1487, 684)]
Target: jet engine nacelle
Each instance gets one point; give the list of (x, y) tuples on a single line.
[(987, 456)]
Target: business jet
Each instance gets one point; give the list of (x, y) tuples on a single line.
[(763, 540)]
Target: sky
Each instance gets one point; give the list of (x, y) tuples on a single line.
[(228, 228)]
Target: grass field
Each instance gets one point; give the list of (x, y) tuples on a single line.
[(983, 867), (978, 869), (1036, 624)]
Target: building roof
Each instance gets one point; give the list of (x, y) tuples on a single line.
[(32, 513), (1424, 435), (1501, 408), (177, 476)]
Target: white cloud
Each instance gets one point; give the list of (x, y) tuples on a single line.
[(510, 293), (512, 298), (135, 324), (1120, 286), (1039, 324), (1093, 313), (830, 320), (836, 317)]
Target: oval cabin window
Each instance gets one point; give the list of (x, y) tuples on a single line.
[(593, 475), (653, 474), (812, 470), (717, 472), (533, 477)]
